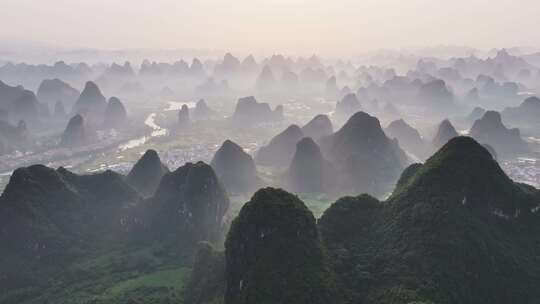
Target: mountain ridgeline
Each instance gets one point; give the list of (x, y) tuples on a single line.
[(52, 222), (50, 216), (235, 168), (91, 102), (51, 91), (490, 130), (188, 206), (309, 172), (277, 179), (250, 112), (280, 150), (455, 230), (115, 113), (357, 158), (271, 223), (409, 138), (445, 132), (318, 127), (147, 172), (75, 132), (366, 160)]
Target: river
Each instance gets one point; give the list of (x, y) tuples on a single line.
[(157, 131)]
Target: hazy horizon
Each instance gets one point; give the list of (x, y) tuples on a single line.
[(269, 151), (338, 28)]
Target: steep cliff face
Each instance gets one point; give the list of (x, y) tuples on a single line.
[(347, 106), (189, 205), (526, 114), (63, 199), (318, 127), (409, 138), (280, 150), (366, 160), (18, 103), (309, 172), (147, 172), (490, 130), (8, 94), (75, 132), (235, 168), (91, 102), (445, 132), (249, 112), (455, 230), (273, 253), (62, 232), (115, 113), (51, 91), (50, 217), (26, 107)]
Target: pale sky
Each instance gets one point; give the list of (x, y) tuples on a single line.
[(330, 27)]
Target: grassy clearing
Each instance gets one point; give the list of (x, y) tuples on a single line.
[(316, 203), (149, 286)]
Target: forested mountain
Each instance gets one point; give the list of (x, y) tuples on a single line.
[(455, 230)]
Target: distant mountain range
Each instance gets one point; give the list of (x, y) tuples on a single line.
[(39, 52)]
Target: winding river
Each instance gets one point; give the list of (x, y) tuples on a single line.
[(157, 131)]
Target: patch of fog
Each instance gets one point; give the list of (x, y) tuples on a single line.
[(527, 160), (119, 167), (251, 147), (412, 157), (294, 105), (160, 132), (464, 132), (533, 140), (151, 121), (133, 143), (157, 131), (177, 105)]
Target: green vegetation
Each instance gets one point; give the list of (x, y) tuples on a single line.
[(207, 281), (455, 230), (95, 240), (117, 276), (271, 224), (164, 281)]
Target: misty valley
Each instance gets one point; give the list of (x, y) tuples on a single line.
[(392, 178)]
